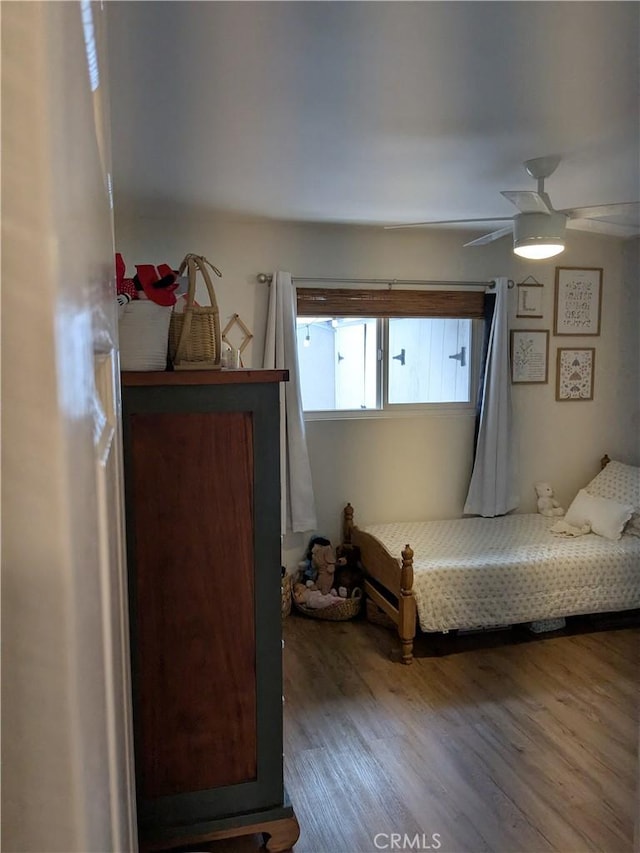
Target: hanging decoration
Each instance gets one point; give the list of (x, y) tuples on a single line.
[(247, 337)]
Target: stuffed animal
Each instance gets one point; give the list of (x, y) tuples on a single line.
[(323, 561), (313, 598), (547, 504), (308, 572), (157, 284), (349, 572)]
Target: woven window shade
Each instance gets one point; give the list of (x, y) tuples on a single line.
[(347, 302)]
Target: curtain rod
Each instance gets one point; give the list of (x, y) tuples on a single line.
[(265, 278)]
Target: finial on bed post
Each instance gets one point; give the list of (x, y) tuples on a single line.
[(406, 626), (406, 578), (347, 524), (604, 462)]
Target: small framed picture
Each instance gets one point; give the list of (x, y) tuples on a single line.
[(529, 356), (574, 374), (530, 300), (578, 300)]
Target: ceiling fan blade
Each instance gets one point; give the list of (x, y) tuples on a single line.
[(527, 201), (629, 210), (489, 238), (599, 226), (446, 222)]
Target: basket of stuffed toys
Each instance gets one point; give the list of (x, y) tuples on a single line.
[(329, 585)]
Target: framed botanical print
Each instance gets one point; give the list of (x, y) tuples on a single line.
[(578, 300), (574, 374), (529, 356)]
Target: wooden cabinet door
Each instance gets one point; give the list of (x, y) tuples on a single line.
[(195, 622), (204, 562)]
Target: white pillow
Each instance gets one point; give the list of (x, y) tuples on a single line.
[(621, 483), (606, 517), (618, 482)]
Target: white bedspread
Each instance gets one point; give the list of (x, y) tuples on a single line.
[(482, 572)]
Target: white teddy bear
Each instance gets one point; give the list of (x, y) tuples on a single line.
[(547, 504)]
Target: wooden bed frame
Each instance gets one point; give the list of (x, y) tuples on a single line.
[(396, 577), (393, 576)]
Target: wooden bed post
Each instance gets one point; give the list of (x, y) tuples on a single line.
[(382, 567), (347, 524), (407, 606)]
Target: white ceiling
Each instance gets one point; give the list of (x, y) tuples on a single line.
[(381, 112)]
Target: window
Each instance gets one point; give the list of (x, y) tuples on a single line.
[(338, 359), (359, 363), (429, 360)]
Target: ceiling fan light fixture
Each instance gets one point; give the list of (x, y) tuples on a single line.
[(538, 251), (537, 236)]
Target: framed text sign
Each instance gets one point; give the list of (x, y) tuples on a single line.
[(578, 300), (529, 355), (530, 299)]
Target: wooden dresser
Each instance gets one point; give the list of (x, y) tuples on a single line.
[(202, 486)]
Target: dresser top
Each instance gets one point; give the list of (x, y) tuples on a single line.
[(222, 376)]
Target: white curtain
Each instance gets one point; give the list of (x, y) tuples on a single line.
[(281, 351), (493, 487)]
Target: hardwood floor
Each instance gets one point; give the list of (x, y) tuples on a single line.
[(519, 748)]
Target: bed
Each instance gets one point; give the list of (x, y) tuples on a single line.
[(471, 573)]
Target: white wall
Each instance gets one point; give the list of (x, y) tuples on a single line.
[(418, 467), (66, 759)]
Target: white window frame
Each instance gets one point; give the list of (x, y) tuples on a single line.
[(409, 410)]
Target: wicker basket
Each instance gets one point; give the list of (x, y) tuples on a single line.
[(286, 587), (194, 335), (347, 609)]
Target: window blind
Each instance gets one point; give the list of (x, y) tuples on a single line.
[(347, 302)]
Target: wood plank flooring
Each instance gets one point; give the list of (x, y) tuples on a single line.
[(511, 749)]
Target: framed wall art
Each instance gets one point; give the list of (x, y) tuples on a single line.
[(529, 356), (530, 294), (578, 300), (574, 374)]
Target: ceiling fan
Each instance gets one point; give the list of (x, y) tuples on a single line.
[(538, 229)]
